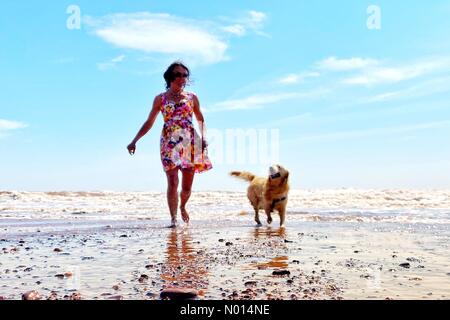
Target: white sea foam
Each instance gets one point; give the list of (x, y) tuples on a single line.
[(348, 205)]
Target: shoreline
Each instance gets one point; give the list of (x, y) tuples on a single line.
[(224, 259)]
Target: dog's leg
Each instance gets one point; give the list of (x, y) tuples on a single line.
[(282, 217), (257, 216), (268, 210)]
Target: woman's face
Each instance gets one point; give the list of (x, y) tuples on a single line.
[(180, 78)]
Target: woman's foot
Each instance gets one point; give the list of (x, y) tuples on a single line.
[(184, 215), (173, 224)]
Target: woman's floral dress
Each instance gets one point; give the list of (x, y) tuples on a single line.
[(181, 146)]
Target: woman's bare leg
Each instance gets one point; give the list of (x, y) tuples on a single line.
[(172, 194), (188, 179)]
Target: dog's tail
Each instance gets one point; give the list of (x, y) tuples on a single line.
[(247, 176)]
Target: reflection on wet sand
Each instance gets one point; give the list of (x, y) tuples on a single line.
[(185, 267), (269, 232), (274, 238)]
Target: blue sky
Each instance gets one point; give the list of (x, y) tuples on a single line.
[(354, 107)]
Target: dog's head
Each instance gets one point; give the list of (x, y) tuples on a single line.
[(278, 174)]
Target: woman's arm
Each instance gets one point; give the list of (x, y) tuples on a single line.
[(148, 124)]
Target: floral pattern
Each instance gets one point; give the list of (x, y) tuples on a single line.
[(181, 146)]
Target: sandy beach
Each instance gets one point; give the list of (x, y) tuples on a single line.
[(338, 244)]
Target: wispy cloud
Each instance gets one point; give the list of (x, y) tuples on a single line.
[(111, 64), (394, 74), (8, 125), (351, 134), (252, 21), (335, 64), (425, 88), (236, 29), (259, 101), (160, 33), (296, 78)]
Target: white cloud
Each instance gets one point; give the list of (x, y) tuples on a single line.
[(236, 29), (387, 75), (161, 33), (11, 125), (258, 101), (295, 78), (256, 18), (111, 64), (251, 21), (426, 88), (373, 132), (335, 64), (8, 125), (290, 78)]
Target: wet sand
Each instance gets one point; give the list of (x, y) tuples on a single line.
[(225, 259)]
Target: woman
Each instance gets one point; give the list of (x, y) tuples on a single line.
[(180, 146)]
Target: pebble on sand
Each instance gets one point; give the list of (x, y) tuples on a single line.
[(31, 295), (405, 265), (281, 272), (178, 294)]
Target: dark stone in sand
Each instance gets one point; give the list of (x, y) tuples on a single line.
[(149, 266), (151, 294), (143, 278), (123, 236), (178, 294), (229, 244), (281, 272), (59, 276), (28, 269), (412, 259), (79, 212), (74, 296), (250, 284), (57, 250), (31, 295), (405, 265), (87, 258), (287, 241), (221, 240)]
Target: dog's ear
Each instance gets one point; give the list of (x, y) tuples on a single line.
[(285, 178)]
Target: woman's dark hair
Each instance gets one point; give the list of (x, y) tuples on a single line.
[(169, 74)]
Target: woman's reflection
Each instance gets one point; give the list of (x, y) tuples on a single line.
[(185, 267)]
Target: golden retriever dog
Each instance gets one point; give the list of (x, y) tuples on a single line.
[(268, 194)]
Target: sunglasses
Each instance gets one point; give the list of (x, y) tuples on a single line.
[(179, 75)]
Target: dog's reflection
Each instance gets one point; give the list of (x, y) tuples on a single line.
[(184, 267), (262, 233), (275, 239)]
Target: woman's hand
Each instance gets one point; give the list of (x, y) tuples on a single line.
[(131, 148)]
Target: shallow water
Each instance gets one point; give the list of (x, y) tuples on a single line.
[(116, 244)]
